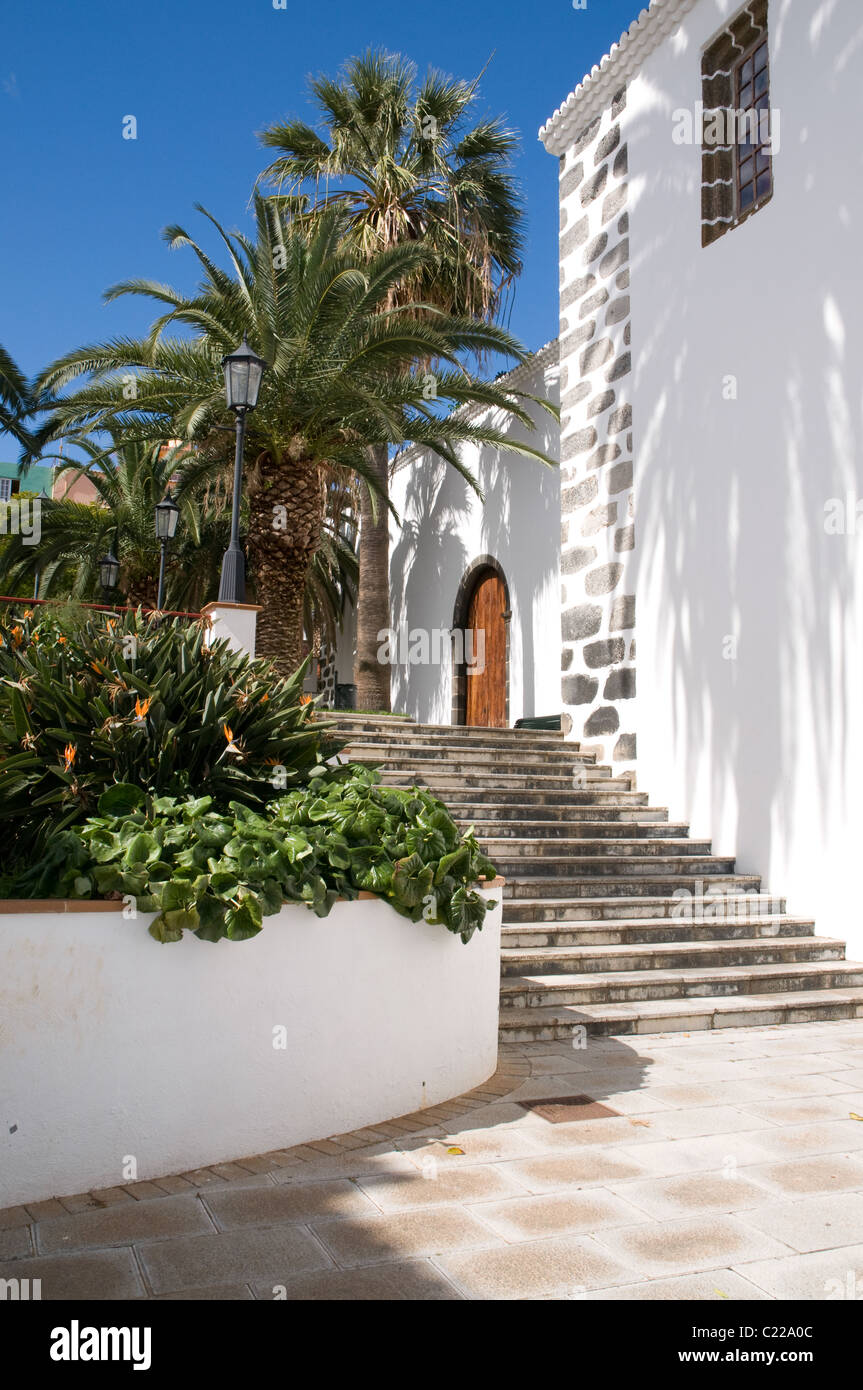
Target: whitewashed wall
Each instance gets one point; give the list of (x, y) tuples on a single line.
[(445, 527), (764, 750), (115, 1048)]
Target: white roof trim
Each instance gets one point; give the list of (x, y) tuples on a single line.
[(620, 63), (542, 359)]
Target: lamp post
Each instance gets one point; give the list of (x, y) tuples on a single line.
[(166, 513), (243, 371), (109, 573), (42, 498)]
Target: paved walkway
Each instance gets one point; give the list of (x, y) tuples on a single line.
[(732, 1168)]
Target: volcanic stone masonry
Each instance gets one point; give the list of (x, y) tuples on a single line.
[(597, 516)]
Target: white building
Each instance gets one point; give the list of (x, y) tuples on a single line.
[(701, 533)]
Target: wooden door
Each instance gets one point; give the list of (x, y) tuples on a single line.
[(485, 654)]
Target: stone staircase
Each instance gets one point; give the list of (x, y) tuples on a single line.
[(614, 920)]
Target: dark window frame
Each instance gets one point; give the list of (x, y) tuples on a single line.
[(758, 200)]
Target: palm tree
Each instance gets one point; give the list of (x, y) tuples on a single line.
[(406, 165), (16, 400), (313, 308), (128, 481)]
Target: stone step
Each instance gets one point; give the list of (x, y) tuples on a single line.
[(547, 849), (712, 908), (424, 735), (585, 884), (689, 1015), (462, 793), (393, 726), (622, 987), (634, 931), (567, 867), (486, 758), (454, 775), (532, 816), (539, 963), (578, 833)]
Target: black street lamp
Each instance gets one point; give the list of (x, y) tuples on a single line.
[(243, 371), (41, 498), (109, 573), (167, 513)]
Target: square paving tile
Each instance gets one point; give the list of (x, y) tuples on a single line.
[(723, 1152), (426, 1231), (833, 1275), (578, 1134), (691, 1193), (536, 1269), (795, 1141), (684, 1247), (813, 1223), (243, 1256), (297, 1201), (696, 1121), (555, 1173), (851, 1078), (560, 1213), (15, 1242), (438, 1185), (834, 1172), (805, 1110), (478, 1146), (227, 1293), (103, 1274), (123, 1225), (714, 1286), (401, 1281)]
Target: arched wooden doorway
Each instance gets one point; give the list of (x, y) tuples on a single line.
[(481, 647)]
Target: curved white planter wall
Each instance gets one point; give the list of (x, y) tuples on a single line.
[(112, 1046)]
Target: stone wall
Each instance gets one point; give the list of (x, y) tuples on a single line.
[(597, 513)]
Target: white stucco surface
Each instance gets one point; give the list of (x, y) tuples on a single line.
[(749, 618), (445, 527), (113, 1047)]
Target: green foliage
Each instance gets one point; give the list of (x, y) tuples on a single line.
[(143, 704), (219, 872)]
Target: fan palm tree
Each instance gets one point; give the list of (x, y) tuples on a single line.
[(406, 163), (313, 308)]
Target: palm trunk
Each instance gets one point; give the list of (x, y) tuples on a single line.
[(285, 524), (373, 598)]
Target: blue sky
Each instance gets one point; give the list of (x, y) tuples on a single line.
[(84, 207)]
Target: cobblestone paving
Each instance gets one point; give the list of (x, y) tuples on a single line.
[(732, 1168)]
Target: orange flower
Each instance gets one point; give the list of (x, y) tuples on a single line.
[(141, 707), (305, 699), (18, 633), (62, 640), (228, 734), (264, 699), (69, 754)]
